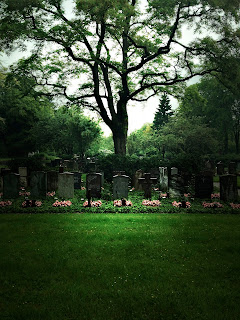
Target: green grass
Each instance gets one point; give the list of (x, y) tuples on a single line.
[(142, 266)]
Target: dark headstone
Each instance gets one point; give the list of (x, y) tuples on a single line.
[(11, 185), (220, 168), (61, 169), (228, 187), (38, 184), (120, 186), (118, 173), (232, 168), (52, 180), (203, 186), (77, 180), (146, 183), (93, 185)]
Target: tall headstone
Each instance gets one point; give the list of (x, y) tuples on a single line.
[(146, 183), (11, 185), (120, 186), (93, 185), (23, 176), (52, 180), (163, 178), (38, 184), (137, 185), (220, 168), (228, 187), (203, 186), (232, 168), (176, 184), (77, 180), (66, 185)]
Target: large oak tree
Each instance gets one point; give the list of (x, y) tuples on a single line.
[(120, 51)]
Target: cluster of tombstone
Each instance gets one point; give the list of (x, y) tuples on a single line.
[(169, 181)]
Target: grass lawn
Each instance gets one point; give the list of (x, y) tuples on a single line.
[(119, 266)]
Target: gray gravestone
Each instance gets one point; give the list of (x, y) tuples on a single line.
[(38, 184), (232, 168), (220, 168), (118, 173), (203, 186), (120, 186), (77, 180), (163, 178), (52, 180), (137, 176), (93, 185), (11, 185), (146, 183), (23, 176), (228, 187), (174, 171), (176, 186), (66, 185)]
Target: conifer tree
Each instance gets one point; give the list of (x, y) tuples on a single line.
[(163, 113)]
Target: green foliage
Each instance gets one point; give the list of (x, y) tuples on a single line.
[(34, 163), (126, 51)]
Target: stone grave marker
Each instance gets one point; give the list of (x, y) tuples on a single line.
[(93, 185), (163, 179), (5, 171), (203, 186), (52, 180), (176, 185), (11, 185), (118, 173), (61, 169), (120, 186), (38, 184), (232, 168), (220, 168), (23, 172), (228, 187), (146, 181), (136, 184), (77, 180), (174, 171), (66, 185)]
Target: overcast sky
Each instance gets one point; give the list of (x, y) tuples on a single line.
[(139, 113)]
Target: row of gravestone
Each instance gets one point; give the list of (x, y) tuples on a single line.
[(65, 183), (175, 184)]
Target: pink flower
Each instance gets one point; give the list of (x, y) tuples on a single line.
[(5, 203), (62, 203), (153, 203), (212, 205), (51, 194), (118, 203), (93, 203), (215, 195), (235, 205)]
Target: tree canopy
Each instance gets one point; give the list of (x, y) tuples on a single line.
[(116, 52)]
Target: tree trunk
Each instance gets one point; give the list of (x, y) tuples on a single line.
[(120, 140)]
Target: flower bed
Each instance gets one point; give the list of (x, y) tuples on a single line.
[(215, 196), (181, 204), (118, 203), (24, 193), (5, 203), (212, 204), (50, 194), (93, 203), (31, 203), (153, 203), (235, 205), (62, 203)]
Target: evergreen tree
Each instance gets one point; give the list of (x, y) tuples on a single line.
[(163, 113)]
